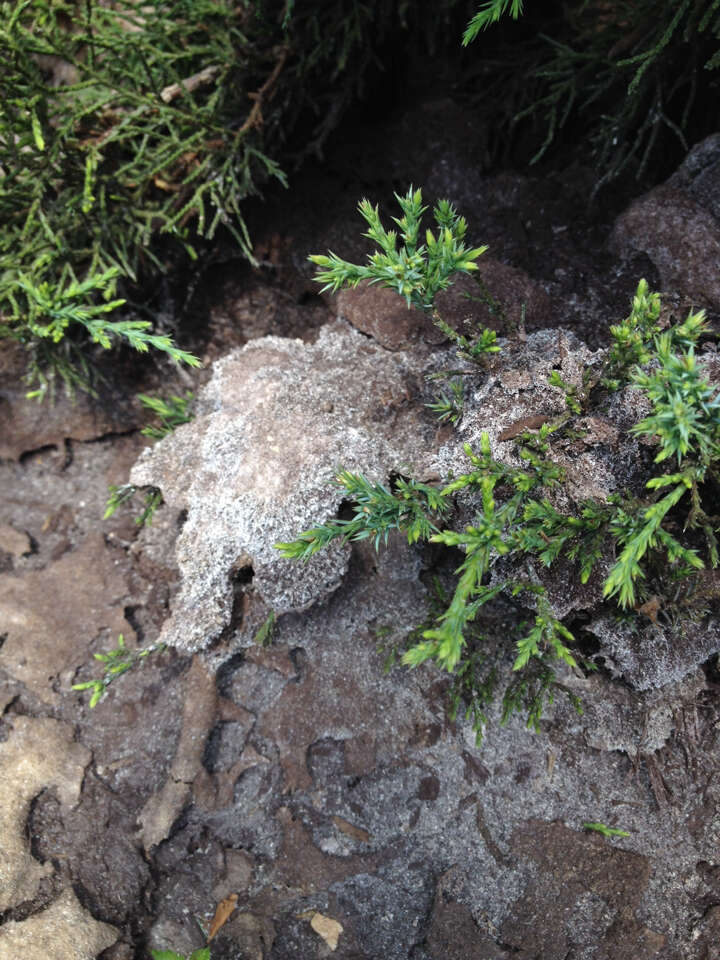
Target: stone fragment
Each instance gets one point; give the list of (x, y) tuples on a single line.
[(199, 705), (15, 542), (677, 224), (498, 296), (383, 315), (515, 396), (63, 931), (254, 467), (51, 616), (699, 174), (39, 754), (28, 424), (454, 935), (327, 928), (651, 655), (570, 866)]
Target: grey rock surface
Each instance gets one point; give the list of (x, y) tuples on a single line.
[(514, 395), (255, 467), (278, 418), (650, 654), (366, 803)]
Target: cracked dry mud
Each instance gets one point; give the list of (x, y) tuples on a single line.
[(301, 776)]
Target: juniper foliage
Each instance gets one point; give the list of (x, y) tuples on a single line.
[(516, 519), (416, 270), (131, 135), (171, 413), (115, 662), (633, 82)]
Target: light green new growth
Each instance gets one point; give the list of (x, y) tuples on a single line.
[(488, 13), (378, 510), (685, 421), (632, 339), (116, 662), (53, 311), (416, 270), (605, 831)]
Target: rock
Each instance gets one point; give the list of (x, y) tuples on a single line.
[(699, 174), (515, 396), (39, 754), (453, 933), (63, 931), (678, 226), (497, 296), (650, 655), (63, 608), (572, 865), (383, 315), (29, 424), (14, 541), (707, 934), (94, 844), (254, 467), (618, 717), (162, 809)]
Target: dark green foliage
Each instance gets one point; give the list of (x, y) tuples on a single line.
[(632, 81), (448, 406), (472, 691), (130, 134), (134, 141)]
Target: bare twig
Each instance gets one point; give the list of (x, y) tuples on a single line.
[(168, 94), (255, 117)]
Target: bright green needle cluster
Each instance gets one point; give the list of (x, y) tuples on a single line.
[(490, 12), (417, 271), (410, 507), (115, 663)]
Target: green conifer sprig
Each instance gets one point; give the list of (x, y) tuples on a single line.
[(630, 80), (115, 662), (171, 413), (410, 507), (491, 12), (417, 273)]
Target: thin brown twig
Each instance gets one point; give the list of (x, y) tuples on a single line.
[(255, 117)]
